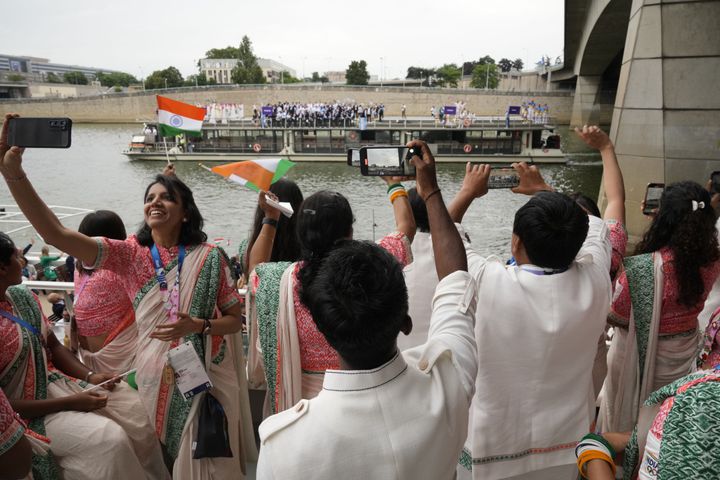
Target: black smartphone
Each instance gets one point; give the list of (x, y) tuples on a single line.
[(353, 157), (715, 181), (504, 177), (653, 192), (40, 132), (386, 161)]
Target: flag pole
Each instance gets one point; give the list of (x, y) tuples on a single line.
[(167, 155)]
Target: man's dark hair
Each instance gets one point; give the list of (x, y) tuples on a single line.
[(419, 211), (359, 302), (191, 232), (552, 227)]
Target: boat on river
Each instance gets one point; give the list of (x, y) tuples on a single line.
[(485, 140)]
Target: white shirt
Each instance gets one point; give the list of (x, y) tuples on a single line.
[(404, 420), (537, 339), (421, 280)]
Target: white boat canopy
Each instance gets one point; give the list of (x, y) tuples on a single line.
[(12, 220)]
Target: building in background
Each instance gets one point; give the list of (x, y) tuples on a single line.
[(336, 77), (220, 69), (37, 69)]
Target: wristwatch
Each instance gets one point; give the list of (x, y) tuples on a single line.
[(206, 327)]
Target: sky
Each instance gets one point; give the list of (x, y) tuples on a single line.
[(140, 37)]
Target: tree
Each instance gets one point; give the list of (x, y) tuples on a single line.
[(247, 71), (315, 77), (487, 59), (356, 73), (200, 80), (168, 78), (287, 78), (485, 75), (227, 52), (52, 78), (467, 68), (448, 75), (505, 65), (518, 64), (76, 78), (115, 78)]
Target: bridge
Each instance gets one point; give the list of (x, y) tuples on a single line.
[(663, 57)]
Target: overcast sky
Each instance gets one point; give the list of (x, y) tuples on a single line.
[(139, 37)]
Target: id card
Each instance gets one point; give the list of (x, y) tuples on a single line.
[(190, 375)]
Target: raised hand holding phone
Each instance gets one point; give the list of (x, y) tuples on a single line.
[(424, 164), (531, 182)]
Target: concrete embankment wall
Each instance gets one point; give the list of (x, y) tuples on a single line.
[(141, 106)]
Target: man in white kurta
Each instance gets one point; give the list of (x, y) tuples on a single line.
[(405, 418), (537, 338)]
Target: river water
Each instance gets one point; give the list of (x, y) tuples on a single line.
[(94, 174)]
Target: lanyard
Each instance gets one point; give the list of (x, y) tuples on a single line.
[(20, 322), (541, 271), (171, 299)]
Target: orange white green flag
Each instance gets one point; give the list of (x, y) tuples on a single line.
[(176, 117), (255, 174)]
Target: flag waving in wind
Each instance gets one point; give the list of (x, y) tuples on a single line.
[(176, 117), (255, 174)]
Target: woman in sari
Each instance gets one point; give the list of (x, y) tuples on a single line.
[(294, 353), (182, 293), (15, 449), (104, 317), (92, 435), (656, 304)]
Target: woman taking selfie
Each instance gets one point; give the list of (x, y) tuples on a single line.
[(183, 295)]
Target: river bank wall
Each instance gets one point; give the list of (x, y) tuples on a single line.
[(141, 106)]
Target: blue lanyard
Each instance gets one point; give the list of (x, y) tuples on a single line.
[(160, 268), (20, 322)]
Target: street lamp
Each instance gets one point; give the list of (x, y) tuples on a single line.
[(382, 69), (166, 83)]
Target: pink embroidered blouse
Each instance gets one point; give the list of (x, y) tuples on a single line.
[(676, 318), (11, 430), (100, 307)]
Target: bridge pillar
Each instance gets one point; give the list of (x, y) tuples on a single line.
[(586, 109), (666, 121)]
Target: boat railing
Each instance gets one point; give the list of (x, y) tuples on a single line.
[(12, 216)]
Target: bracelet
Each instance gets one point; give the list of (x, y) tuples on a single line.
[(270, 221), (394, 185), (437, 190), (87, 377), (207, 326), (594, 455), (15, 179), (397, 193)]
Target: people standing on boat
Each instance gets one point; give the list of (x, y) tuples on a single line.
[(104, 317), (403, 112), (93, 434), (176, 304), (295, 354), (657, 301), (382, 413), (533, 393)]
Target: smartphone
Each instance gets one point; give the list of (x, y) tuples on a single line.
[(715, 181), (385, 161), (503, 178), (652, 197), (353, 157), (40, 132)]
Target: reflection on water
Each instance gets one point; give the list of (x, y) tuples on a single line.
[(94, 174)]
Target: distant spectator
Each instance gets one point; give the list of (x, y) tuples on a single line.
[(46, 264)]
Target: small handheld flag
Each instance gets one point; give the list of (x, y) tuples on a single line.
[(255, 174)]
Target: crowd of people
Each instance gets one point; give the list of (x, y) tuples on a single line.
[(533, 112), (295, 114), (414, 357)]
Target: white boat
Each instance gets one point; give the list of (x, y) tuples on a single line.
[(494, 140)]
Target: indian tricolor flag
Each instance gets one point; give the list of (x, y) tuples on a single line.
[(255, 174), (176, 117)]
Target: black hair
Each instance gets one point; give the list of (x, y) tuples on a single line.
[(587, 204), (101, 223), (7, 249), (690, 235), (324, 218), (191, 232), (552, 228), (285, 246), (358, 300), (419, 210)]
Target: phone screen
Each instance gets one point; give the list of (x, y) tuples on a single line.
[(503, 178), (715, 180), (386, 161), (652, 197), (353, 157)]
